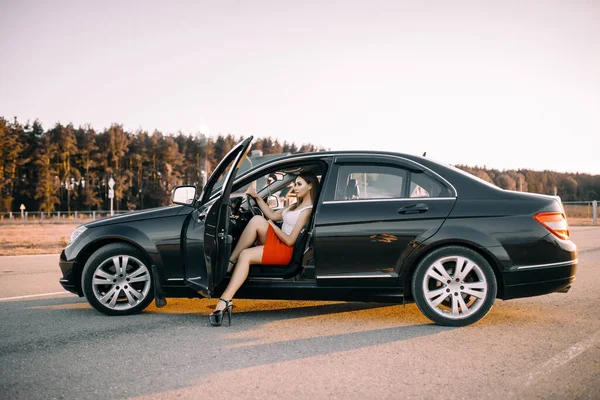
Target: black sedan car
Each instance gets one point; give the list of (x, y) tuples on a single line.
[(386, 227)]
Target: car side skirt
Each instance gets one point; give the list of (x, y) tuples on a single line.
[(299, 291)]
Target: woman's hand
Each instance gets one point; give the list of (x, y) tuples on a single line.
[(264, 207), (252, 192)]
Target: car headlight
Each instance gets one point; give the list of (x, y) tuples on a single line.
[(76, 233)]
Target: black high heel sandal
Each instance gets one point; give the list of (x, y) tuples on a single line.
[(216, 317)]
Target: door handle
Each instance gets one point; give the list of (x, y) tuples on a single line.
[(413, 209)]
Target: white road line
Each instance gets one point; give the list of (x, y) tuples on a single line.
[(36, 295), (33, 255), (563, 357)]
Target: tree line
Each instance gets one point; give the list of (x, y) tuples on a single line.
[(569, 186), (68, 169)]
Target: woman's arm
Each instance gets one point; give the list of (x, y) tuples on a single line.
[(264, 207), (291, 238)]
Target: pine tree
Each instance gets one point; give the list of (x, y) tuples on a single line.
[(49, 182), (27, 175), (11, 146), (63, 137), (87, 160), (118, 145)]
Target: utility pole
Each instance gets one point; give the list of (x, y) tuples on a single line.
[(111, 194)]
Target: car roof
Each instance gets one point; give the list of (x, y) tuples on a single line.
[(466, 185)]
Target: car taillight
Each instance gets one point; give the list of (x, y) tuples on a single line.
[(555, 222)]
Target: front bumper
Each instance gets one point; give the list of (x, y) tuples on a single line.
[(68, 280)]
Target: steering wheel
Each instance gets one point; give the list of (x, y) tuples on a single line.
[(250, 207)]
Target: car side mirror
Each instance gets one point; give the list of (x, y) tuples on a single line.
[(183, 195), (274, 177), (273, 201)]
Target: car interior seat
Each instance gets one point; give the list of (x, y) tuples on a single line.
[(301, 246), (285, 271)]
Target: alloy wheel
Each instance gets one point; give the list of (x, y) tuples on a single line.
[(121, 282), (455, 287)]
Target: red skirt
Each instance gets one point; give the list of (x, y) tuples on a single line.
[(275, 251)]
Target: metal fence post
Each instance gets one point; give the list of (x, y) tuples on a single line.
[(42, 218), (58, 216), (93, 215), (25, 215), (595, 212), (75, 215), (11, 216)]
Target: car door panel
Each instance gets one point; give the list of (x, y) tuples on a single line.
[(196, 274), (355, 238), (207, 239), (217, 240), (368, 224)]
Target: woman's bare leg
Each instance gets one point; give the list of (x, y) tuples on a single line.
[(247, 257), (257, 227)]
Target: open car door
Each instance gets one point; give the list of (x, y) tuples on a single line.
[(207, 238)]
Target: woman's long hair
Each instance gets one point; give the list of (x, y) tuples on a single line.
[(311, 179)]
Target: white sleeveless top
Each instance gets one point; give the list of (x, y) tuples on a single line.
[(290, 218)]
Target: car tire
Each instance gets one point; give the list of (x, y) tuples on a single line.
[(117, 280), (454, 298)]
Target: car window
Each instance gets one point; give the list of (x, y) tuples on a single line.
[(370, 182), (422, 185), (269, 183), (283, 197)]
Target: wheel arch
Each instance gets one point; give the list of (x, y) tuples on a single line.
[(422, 251), (97, 244)]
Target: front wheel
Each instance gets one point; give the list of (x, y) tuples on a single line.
[(116, 280), (454, 286)]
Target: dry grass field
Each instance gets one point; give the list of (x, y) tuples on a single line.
[(25, 239), (580, 214)]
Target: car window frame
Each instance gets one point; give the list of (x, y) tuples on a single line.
[(410, 181), (384, 160), (267, 168)]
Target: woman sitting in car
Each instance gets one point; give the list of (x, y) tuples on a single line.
[(276, 244)]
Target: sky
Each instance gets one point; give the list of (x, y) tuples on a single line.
[(507, 85)]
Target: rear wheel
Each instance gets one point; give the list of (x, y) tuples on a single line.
[(454, 286), (117, 280)]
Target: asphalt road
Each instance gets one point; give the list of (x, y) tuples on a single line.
[(56, 346)]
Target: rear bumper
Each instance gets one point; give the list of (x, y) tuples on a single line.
[(535, 280)]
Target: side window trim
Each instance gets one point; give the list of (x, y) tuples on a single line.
[(399, 161), (339, 163), (396, 199)]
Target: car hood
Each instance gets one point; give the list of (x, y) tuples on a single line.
[(160, 212)]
